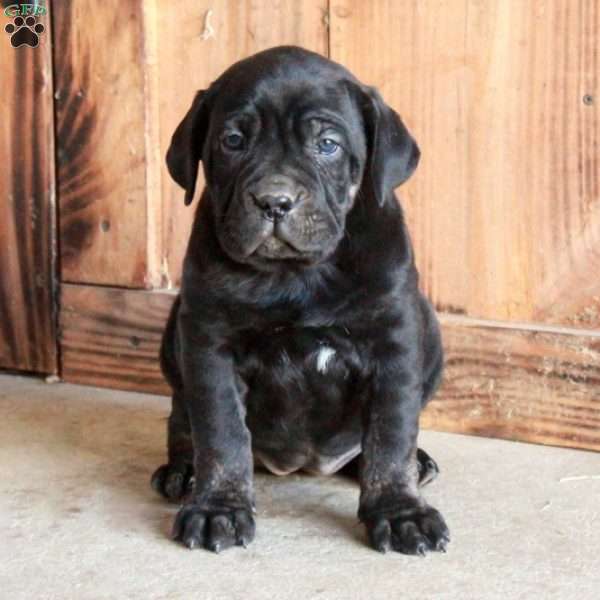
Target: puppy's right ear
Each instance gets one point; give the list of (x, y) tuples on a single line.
[(185, 152)]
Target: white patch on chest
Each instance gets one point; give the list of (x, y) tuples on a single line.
[(324, 357)]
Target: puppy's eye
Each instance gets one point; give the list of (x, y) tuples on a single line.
[(327, 146), (233, 141)]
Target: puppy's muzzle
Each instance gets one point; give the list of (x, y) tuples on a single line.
[(276, 197)]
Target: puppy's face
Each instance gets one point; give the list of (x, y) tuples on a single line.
[(286, 138), (285, 159)]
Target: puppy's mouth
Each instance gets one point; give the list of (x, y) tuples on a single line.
[(278, 245), (300, 236)]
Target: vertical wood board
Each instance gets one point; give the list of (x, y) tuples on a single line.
[(27, 206), (101, 144)]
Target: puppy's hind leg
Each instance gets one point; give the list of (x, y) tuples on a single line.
[(174, 480), (428, 468)]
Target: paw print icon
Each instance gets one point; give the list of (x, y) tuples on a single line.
[(24, 32)]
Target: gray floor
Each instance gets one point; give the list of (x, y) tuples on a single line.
[(78, 519)]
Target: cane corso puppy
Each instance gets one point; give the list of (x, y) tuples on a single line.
[(300, 340)]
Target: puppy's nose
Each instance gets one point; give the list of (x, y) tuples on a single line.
[(274, 207)]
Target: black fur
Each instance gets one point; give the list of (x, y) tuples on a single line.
[(297, 250)]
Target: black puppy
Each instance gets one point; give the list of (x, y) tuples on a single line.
[(300, 339)]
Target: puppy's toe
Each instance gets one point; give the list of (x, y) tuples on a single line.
[(408, 538), (380, 535), (221, 533), (190, 528), (244, 527)]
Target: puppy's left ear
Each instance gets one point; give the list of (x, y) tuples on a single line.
[(185, 151), (393, 154)]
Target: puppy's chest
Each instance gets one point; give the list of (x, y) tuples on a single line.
[(302, 397), (288, 351)]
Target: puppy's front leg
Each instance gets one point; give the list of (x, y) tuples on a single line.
[(219, 513), (391, 506)]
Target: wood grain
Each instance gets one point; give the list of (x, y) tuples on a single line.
[(515, 384), (27, 209), (101, 143), (503, 97), (520, 385), (194, 48), (110, 337)]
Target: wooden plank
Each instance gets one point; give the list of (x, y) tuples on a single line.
[(522, 385), (27, 209), (503, 97), (105, 220), (110, 337), (197, 41)]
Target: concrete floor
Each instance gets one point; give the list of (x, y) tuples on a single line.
[(79, 520)]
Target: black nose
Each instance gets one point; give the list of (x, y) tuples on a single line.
[(274, 207)]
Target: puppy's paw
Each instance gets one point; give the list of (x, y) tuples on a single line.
[(213, 530), (412, 530), (173, 481)]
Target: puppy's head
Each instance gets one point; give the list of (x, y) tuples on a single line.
[(287, 139)]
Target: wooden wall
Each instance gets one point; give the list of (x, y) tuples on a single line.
[(27, 209), (505, 208), (502, 96)]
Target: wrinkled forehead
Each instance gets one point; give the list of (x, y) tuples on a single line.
[(289, 89)]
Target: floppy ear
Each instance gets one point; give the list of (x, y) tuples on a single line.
[(393, 154), (185, 151)]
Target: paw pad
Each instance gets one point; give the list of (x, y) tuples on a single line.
[(24, 31)]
